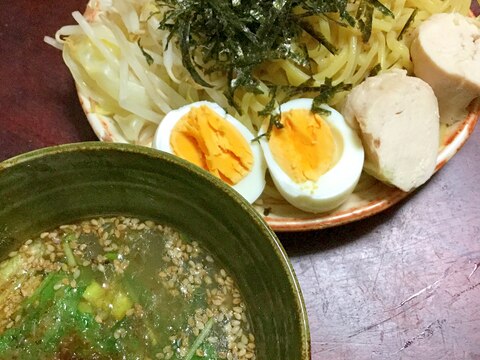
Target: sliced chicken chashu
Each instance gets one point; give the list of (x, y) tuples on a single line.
[(397, 118), (446, 54)]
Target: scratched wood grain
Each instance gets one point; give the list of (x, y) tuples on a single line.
[(401, 285), (404, 284)]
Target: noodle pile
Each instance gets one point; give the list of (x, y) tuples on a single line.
[(121, 62)]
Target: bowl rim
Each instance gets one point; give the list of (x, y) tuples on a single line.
[(268, 234)]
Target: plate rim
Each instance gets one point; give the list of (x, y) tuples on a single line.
[(105, 131)]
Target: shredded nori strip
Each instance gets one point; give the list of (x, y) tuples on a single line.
[(407, 24), (375, 70), (235, 36), (147, 56), (326, 92), (382, 8)]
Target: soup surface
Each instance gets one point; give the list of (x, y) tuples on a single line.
[(119, 288)]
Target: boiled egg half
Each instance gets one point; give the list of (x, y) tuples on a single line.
[(315, 160), (205, 135)]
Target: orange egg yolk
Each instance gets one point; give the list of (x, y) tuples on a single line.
[(304, 148), (211, 142)]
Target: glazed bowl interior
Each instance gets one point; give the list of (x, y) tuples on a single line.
[(49, 187)]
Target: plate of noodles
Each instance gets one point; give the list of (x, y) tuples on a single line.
[(129, 75)]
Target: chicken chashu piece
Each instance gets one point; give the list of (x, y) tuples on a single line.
[(398, 121), (446, 54)]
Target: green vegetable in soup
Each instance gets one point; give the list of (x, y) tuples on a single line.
[(199, 340), (13, 265), (68, 251), (120, 289), (50, 315)]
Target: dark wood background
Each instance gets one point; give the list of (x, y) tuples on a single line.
[(400, 285)]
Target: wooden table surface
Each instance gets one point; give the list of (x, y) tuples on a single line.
[(400, 285)]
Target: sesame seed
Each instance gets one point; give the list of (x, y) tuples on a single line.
[(212, 340), (200, 325), (150, 224), (57, 286), (76, 273)]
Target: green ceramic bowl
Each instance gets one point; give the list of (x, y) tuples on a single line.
[(49, 187)]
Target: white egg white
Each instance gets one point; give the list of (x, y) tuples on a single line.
[(252, 185), (333, 187)]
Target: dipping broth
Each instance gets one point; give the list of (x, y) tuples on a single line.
[(119, 288)]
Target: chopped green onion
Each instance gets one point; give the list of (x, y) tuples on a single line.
[(198, 341), (121, 304), (111, 256), (69, 254), (94, 293), (67, 250)]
